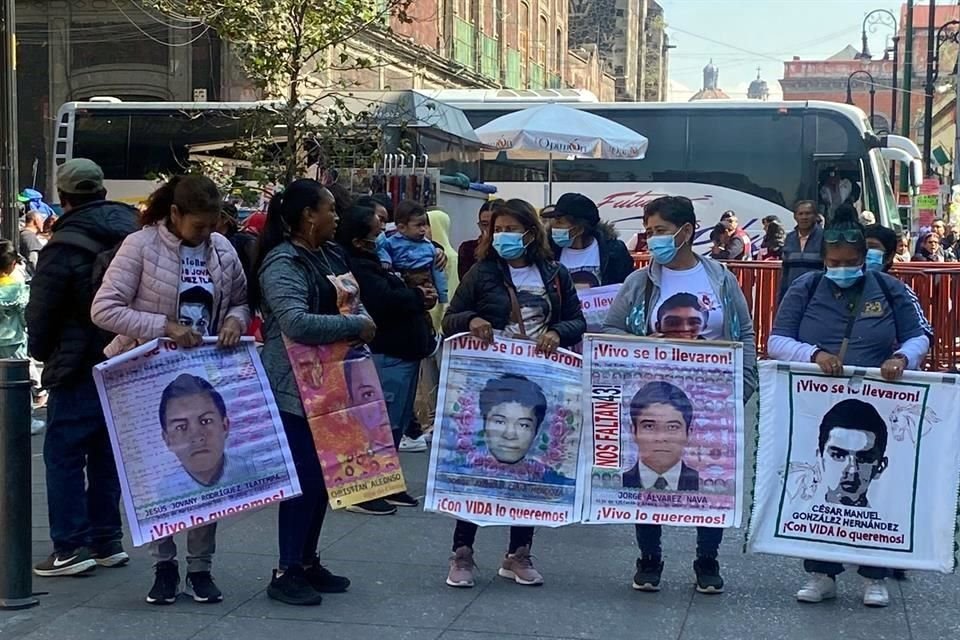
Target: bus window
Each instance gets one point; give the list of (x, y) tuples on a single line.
[(756, 153), (103, 137)]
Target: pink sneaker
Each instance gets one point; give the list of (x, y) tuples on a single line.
[(518, 566), (461, 568)]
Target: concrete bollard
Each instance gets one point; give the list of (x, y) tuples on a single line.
[(16, 578)]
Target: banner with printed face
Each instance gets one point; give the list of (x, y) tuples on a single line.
[(506, 436), (596, 303), (663, 431), (195, 433), (344, 404), (858, 469)]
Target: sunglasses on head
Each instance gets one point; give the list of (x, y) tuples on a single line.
[(849, 236)]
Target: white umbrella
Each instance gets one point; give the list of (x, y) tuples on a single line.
[(550, 129)]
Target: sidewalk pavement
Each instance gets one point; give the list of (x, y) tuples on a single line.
[(398, 565)]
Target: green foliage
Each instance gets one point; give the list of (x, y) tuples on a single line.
[(293, 53)]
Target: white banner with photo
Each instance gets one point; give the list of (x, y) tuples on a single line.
[(507, 433), (196, 435), (596, 303), (857, 469), (663, 431)]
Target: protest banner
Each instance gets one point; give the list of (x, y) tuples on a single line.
[(506, 436), (196, 435), (663, 431), (596, 303), (345, 408), (857, 469)]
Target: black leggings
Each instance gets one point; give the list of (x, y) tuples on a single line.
[(301, 519), (466, 533)]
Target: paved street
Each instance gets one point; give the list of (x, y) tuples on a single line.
[(398, 564)]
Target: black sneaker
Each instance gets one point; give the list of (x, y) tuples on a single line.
[(293, 588), (647, 577), (165, 584), (110, 554), (201, 586), (323, 581), (378, 507), (66, 563), (402, 499), (708, 575)]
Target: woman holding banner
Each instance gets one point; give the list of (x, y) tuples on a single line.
[(177, 278), (848, 315), (301, 291), (688, 296), (516, 288), (404, 337)]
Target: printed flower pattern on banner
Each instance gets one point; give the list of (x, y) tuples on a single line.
[(552, 448)]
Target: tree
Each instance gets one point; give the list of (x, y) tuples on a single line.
[(293, 51)]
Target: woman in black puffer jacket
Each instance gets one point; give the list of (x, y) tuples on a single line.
[(518, 289)]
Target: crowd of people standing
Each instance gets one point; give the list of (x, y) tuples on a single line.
[(322, 266)]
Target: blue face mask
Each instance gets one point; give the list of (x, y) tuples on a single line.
[(509, 245), (844, 277), (874, 260), (562, 237), (663, 248)]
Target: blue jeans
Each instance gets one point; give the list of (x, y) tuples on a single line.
[(398, 378), (83, 491), (708, 541)]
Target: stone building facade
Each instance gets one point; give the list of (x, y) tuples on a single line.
[(630, 36)]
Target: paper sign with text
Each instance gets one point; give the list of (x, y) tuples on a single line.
[(596, 303), (196, 435), (857, 470), (344, 404), (663, 431), (506, 436)]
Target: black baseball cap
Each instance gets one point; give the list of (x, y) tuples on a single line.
[(576, 206)]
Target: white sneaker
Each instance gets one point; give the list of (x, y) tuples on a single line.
[(875, 593), (37, 426), (413, 445), (819, 587)]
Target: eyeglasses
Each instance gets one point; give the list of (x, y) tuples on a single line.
[(849, 236)]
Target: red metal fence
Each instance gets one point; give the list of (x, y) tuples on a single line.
[(937, 287)]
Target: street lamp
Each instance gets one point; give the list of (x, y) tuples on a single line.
[(873, 89), (874, 20), (948, 32)]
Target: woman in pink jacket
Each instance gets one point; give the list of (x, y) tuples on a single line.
[(178, 279)]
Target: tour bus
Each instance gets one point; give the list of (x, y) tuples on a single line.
[(137, 143), (752, 157)]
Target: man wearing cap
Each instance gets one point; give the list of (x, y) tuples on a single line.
[(83, 492), (587, 247)]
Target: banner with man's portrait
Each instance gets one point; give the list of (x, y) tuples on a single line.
[(857, 469), (507, 433), (196, 435), (344, 405), (663, 431)]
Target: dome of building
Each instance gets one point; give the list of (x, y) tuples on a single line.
[(711, 90), (758, 89)]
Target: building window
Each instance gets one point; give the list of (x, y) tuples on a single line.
[(542, 30), (524, 43), (559, 49)]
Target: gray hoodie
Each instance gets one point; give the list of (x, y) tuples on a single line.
[(628, 314)]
